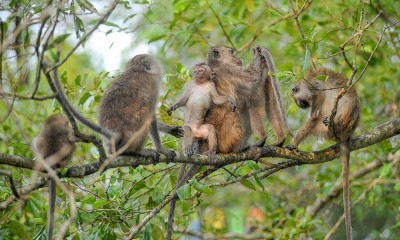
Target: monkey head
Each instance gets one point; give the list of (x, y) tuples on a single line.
[(144, 63), (222, 55), (305, 92), (57, 121), (203, 73)]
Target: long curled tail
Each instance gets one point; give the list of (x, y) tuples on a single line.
[(52, 205)]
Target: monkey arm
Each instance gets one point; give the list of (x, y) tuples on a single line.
[(183, 99), (155, 137), (303, 132)]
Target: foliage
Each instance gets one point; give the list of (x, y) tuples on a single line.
[(179, 33)]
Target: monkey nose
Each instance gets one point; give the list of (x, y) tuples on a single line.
[(295, 89)]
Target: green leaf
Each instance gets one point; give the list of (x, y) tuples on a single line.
[(385, 171), (37, 220), (248, 184), (147, 232), (154, 39), (306, 59), (61, 38), (252, 165), (17, 229), (90, 199), (200, 187), (250, 5), (84, 98), (321, 77), (99, 203), (286, 67), (156, 232), (397, 187), (258, 181), (184, 192)]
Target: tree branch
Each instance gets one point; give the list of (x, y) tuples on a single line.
[(379, 134)]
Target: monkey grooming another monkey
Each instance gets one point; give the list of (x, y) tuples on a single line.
[(126, 106), (320, 97), (197, 97), (233, 79), (55, 143)]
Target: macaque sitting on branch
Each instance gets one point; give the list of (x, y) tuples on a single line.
[(198, 96)]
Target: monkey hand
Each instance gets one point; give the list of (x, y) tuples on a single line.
[(232, 101), (170, 110), (176, 131), (326, 121)]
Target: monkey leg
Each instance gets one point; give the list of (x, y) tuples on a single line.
[(303, 132), (207, 131), (188, 140), (256, 116)]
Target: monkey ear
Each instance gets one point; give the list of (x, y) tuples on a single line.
[(215, 54), (147, 65)]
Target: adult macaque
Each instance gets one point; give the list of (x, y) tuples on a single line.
[(233, 79), (55, 144), (320, 97), (128, 108), (198, 96)]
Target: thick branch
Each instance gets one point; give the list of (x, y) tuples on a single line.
[(380, 133)]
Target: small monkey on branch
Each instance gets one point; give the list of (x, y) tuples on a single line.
[(320, 97), (197, 98), (55, 144)]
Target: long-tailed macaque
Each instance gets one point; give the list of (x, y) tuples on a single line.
[(128, 107), (197, 97), (232, 79), (320, 97), (55, 144)]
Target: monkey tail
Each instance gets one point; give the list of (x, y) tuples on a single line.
[(273, 90), (64, 101), (345, 147), (52, 205), (182, 179)]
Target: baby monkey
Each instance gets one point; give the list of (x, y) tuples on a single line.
[(320, 96), (55, 144), (198, 96)]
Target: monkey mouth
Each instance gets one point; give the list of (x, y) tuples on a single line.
[(303, 104)]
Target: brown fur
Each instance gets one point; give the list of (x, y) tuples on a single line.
[(252, 89), (130, 101), (55, 142), (320, 96)]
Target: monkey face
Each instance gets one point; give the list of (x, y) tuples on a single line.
[(223, 55), (302, 95), (202, 73)]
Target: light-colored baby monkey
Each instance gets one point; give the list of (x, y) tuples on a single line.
[(198, 96)]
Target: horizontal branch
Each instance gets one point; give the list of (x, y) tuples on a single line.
[(380, 133)]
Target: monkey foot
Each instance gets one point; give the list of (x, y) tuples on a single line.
[(261, 142), (291, 147), (155, 156), (168, 153), (212, 155), (190, 151), (176, 132)]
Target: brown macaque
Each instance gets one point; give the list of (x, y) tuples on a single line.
[(128, 107), (253, 102), (54, 144), (320, 97), (197, 97)]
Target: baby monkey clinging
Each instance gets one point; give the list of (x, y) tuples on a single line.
[(197, 97)]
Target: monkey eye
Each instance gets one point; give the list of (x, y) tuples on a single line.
[(295, 89)]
